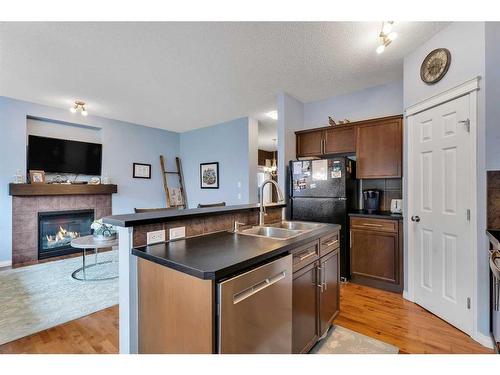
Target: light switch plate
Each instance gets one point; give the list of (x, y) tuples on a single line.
[(155, 236), (178, 232)]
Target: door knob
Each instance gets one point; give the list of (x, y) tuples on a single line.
[(415, 218)]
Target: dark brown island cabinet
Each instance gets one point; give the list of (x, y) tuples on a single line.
[(377, 253), (179, 312), (377, 144), (316, 291)]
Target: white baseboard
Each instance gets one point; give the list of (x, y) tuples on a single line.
[(5, 263), (484, 340)]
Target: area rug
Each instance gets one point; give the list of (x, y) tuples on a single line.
[(42, 296), (341, 340)]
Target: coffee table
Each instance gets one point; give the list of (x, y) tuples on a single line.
[(88, 242)]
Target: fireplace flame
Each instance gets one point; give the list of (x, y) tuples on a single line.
[(62, 235)]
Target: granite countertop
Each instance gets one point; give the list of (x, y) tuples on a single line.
[(378, 214), (494, 236), (218, 255), (131, 220)]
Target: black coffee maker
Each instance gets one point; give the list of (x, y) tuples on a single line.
[(371, 200)]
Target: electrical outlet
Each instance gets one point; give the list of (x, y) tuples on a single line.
[(155, 237), (178, 232)]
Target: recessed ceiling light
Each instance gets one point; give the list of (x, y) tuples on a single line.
[(272, 114)]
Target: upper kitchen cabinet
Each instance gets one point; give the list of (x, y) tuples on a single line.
[(326, 141), (339, 140), (309, 143), (379, 145)]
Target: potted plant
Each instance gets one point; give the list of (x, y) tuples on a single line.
[(102, 232)]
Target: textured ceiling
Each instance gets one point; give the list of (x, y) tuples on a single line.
[(182, 76)]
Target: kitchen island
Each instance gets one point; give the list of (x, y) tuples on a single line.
[(171, 292)]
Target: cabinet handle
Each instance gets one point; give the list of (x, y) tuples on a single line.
[(319, 276), (372, 225), (330, 243), (495, 293), (308, 255), (350, 239), (324, 279)]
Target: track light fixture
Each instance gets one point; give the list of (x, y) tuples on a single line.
[(79, 106), (387, 36)]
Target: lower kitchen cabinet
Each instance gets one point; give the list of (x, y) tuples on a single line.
[(376, 253), (329, 296), (316, 293), (305, 310)]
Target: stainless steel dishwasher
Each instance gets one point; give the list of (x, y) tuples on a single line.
[(255, 310)]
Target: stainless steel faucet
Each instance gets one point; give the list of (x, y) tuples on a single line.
[(281, 199)]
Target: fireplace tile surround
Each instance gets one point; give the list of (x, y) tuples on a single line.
[(25, 211)]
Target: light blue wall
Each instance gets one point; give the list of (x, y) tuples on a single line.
[(492, 95), (377, 101), (290, 120), (233, 144), (466, 42), (123, 144)]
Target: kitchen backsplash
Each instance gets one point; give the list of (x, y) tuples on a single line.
[(493, 199), (390, 188), (208, 224)]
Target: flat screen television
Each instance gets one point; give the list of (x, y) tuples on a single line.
[(55, 155)]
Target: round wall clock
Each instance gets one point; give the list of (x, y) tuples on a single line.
[(435, 65)]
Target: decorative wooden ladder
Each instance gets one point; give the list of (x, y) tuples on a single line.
[(165, 174)]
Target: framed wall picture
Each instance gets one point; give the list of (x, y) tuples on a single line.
[(141, 170), (37, 177), (209, 175)]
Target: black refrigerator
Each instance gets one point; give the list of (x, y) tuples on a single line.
[(325, 190)]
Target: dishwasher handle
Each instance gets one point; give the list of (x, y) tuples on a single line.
[(256, 288)]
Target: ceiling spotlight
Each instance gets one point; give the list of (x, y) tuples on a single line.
[(387, 27), (392, 36), (79, 106), (386, 36), (273, 115)]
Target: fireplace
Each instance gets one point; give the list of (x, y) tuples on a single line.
[(56, 229)]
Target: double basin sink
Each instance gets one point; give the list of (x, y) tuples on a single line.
[(283, 230)]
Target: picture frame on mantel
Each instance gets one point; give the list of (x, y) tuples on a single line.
[(37, 177), (209, 175), (141, 170)]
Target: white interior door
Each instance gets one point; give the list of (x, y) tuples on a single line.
[(441, 198)]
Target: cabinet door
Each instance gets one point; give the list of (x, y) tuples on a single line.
[(305, 309), (329, 297), (374, 255), (310, 143), (379, 149), (339, 140)]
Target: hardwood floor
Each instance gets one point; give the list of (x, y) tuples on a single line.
[(92, 334), (388, 317), (382, 315)]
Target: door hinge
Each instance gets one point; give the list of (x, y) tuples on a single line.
[(467, 124), (468, 303), (468, 214)]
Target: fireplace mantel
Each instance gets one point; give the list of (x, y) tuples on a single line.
[(60, 189)]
